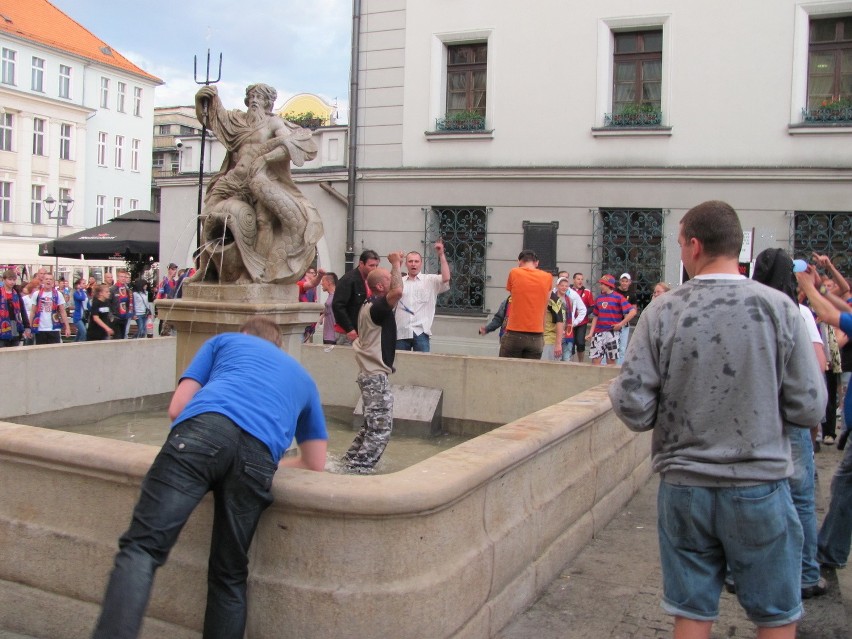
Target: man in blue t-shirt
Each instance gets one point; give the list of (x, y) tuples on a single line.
[(835, 535), (235, 411)]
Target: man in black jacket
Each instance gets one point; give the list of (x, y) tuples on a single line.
[(351, 293)]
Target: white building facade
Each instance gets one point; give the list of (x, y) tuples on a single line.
[(75, 124), (586, 130)]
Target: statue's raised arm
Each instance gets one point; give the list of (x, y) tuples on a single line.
[(257, 224)]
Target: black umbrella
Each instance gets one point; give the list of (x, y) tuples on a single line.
[(135, 234)]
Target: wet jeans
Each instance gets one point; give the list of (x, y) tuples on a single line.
[(203, 453), (835, 536)]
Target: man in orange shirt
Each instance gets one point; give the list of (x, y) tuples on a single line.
[(530, 290)]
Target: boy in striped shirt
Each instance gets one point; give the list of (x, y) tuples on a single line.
[(612, 312)]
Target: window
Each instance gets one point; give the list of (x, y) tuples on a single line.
[(119, 151), (824, 232), (637, 76), (6, 132), (38, 136), (122, 91), (463, 230), (36, 204), (38, 75), (7, 75), (629, 241), (64, 210), (158, 161), (116, 207), (165, 129), (100, 209), (830, 62), (104, 93), (134, 205), (102, 148), (5, 201), (137, 101), (134, 155), (65, 141), (64, 81), (466, 78)]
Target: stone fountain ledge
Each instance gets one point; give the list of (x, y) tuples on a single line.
[(453, 546)]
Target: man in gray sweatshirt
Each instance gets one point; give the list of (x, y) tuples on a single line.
[(715, 368)]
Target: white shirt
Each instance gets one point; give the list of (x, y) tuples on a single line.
[(577, 306), (416, 310), (45, 321), (810, 322)]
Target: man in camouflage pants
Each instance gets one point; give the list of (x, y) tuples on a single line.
[(375, 347)]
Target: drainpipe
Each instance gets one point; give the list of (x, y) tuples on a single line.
[(353, 135)]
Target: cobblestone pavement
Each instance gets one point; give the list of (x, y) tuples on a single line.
[(612, 590)]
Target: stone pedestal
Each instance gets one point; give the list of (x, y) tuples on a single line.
[(209, 309)]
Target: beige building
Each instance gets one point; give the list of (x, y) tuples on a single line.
[(586, 130)]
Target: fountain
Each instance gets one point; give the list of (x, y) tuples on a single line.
[(453, 546)]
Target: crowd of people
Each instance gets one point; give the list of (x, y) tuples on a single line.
[(43, 310)]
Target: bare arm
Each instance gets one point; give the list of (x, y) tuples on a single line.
[(395, 292), (445, 266), (825, 263), (624, 322), (64, 317), (103, 325), (185, 391), (312, 455), (823, 308)]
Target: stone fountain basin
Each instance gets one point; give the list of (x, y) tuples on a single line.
[(453, 546)]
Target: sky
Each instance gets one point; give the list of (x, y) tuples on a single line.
[(297, 47)]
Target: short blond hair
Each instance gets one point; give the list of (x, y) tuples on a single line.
[(264, 328)]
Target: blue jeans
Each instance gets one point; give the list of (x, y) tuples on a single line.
[(622, 345), (141, 326), (207, 452), (753, 528), (567, 348), (418, 343), (81, 330), (835, 536), (802, 491)]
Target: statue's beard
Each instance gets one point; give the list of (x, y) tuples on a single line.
[(255, 114)]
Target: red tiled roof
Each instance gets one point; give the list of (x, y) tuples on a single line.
[(41, 22)]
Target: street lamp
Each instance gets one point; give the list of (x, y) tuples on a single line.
[(65, 205)]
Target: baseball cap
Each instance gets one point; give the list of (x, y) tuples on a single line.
[(172, 265), (607, 279), (800, 266), (627, 275)]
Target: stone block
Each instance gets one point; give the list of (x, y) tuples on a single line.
[(417, 411)]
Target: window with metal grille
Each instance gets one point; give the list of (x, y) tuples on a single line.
[(464, 231), (830, 63), (824, 232), (629, 241)]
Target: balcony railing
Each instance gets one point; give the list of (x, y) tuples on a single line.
[(828, 114), (466, 123), (633, 119)]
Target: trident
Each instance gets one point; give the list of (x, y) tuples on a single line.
[(204, 104)]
